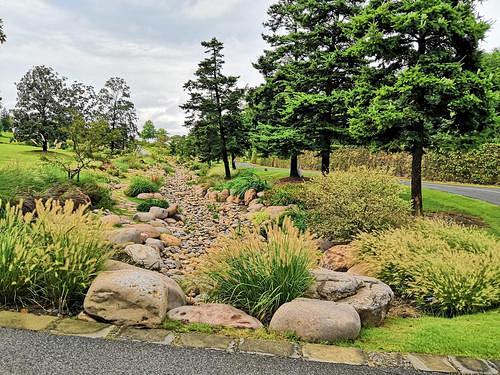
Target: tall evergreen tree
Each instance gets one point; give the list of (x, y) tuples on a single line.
[(214, 98), (276, 131), (423, 82), (3, 38)]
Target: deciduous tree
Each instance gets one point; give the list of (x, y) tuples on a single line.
[(148, 131)]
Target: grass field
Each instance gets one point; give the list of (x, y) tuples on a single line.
[(468, 335)]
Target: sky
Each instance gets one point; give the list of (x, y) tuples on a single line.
[(153, 44)]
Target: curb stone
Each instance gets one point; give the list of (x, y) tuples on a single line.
[(310, 352)]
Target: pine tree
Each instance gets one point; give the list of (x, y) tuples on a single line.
[(422, 84), (214, 99)]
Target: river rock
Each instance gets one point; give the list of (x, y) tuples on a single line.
[(172, 210), (125, 235), (215, 314), (146, 196), (338, 258), (158, 212), (156, 243), (317, 320), (333, 286), (147, 230), (128, 297), (223, 195), (143, 217), (372, 302), (170, 240), (249, 196), (144, 256)]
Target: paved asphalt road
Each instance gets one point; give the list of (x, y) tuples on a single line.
[(27, 353), (487, 194)]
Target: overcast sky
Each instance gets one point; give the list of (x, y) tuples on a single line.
[(152, 44)]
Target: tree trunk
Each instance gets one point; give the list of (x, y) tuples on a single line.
[(45, 146), (294, 165), (416, 180), (233, 161), (325, 161), (225, 159)]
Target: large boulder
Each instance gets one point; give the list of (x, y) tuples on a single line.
[(317, 320), (128, 297), (215, 314), (111, 220), (333, 286), (156, 243), (338, 258), (144, 256), (372, 302), (176, 296), (172, 210), (223, 195), (125, 235), (275, 211), (249, 196), (370, 297)]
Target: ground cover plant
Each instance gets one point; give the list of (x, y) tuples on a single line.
[(144, 206), (245, 180), (444, 268), (140, 185), (50, 256), (259, 276)]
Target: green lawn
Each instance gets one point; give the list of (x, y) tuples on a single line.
[(474, 335)]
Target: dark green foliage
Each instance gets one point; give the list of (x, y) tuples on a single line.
[(244, 181), (299, 217), (140, 185), (99, 195), (147, 204), (422, 88)]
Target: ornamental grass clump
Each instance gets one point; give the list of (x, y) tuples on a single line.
[(50, 256), (140, 185), (258, 275), (445, 268), (244, 181), (344, 204)]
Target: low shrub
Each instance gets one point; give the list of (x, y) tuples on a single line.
[(244, 181), (285, 194), (259, 276), (144, 206), (50, 256), (344, 204), (100, 196), (445, 268), (140, 185)]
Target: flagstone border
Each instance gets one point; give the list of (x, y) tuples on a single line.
[(307, 352)]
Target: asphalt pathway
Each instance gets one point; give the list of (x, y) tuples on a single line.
[(26, 353)]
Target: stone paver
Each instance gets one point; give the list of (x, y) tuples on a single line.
[(333, 354), (75, 327), (198, 340), (434, 363), (380, 359), (277, 348), (472, 366), (156, 336), (30, 322)]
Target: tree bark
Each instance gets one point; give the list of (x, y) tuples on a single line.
[(416, 180), (325, 161), (294, 165), (233, 161), (45, 146)]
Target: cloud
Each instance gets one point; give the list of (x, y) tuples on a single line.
[(205, 9)]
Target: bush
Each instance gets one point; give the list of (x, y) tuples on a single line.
[(49, 257), (344, 204), (244, 181), (147, 204), (285, 194), (445, 268), (142, 185), (259, 276), (99, 195)]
